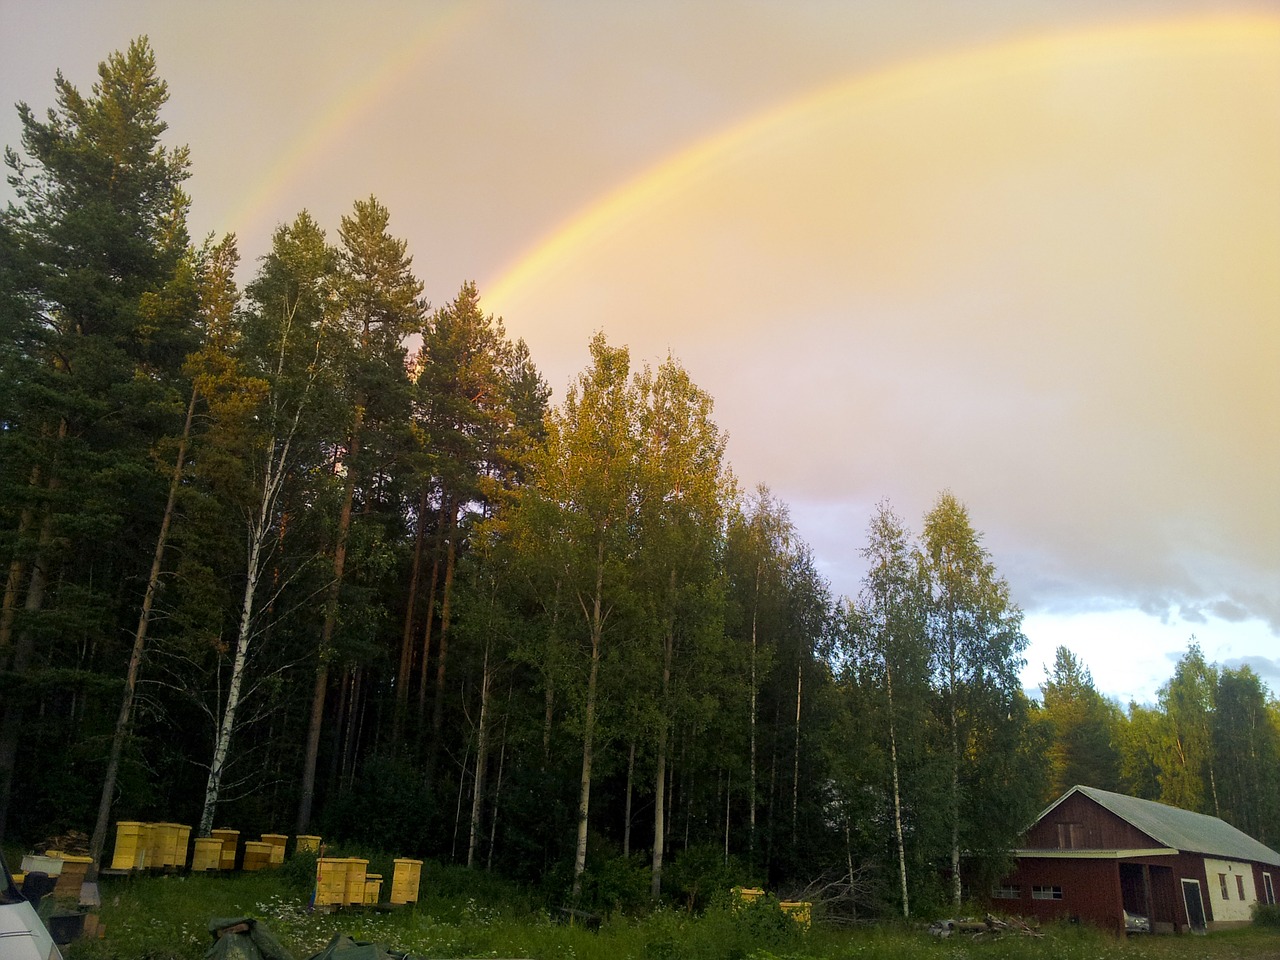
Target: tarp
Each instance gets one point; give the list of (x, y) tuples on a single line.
[(342, 947), (243, 938)]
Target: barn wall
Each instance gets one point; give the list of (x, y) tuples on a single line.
[(1236, 904), (1260, 875), (1085, 826), (1090, 891)]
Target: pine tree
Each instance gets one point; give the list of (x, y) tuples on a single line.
[(1081, 729), (101, 315)]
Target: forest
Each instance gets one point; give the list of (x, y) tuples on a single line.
[(311, 556)]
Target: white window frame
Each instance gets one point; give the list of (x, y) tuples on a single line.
[(1269, 891), (1046, 892)]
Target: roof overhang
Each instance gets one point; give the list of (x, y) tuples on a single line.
[(1054, 854)]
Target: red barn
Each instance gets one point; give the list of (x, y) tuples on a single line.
[(1095, 856)]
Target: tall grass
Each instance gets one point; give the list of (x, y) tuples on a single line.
[(471, 914)]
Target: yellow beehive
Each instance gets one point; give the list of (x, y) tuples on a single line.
[(257, 855), (306, 843), (129, 839), (72, 876), (404, 882), (229, 838), (277, 841), (747, 894), (207, 854), (801, 911), (372, 889), (181, 845), (355, 881), (331, 881), (147, 859), (166, 845)]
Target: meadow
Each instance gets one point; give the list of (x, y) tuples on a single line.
[(463, 914)]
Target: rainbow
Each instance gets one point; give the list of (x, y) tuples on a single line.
[(680, 171), (435, 29)]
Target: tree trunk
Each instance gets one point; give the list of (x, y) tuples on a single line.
[(897, 799), (17, 570), (955, 774), (98, 840), (728, 797), (424, 677), (307, 792), (626, 816), (589, 724), (497, 794), (437, 709), (795, 777), (482, 757), (23, 650), (244, 634), (659, 808), (406, 638), (442, 654), (751, 785)]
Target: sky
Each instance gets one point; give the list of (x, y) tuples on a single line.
[(1023, 250)]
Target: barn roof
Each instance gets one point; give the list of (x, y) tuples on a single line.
[(1180, 829)]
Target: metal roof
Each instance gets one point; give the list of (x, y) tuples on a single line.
[(1181, 829)]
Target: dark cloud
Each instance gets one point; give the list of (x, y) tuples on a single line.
[(1267, 668)]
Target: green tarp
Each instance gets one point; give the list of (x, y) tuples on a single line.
[(250, 940), (244, 938), (342, 947)]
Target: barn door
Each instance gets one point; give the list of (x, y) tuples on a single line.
[(1195, 905)]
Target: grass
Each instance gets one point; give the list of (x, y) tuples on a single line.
[(165, 918)]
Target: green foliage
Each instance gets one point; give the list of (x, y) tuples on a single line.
[(1082, 729), (298, 872), (166, 917), (404, 589), (699, 874), (1267, 915)]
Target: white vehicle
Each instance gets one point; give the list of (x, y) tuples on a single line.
[(22, 935)]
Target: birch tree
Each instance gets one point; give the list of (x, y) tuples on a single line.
[(1188, 775), (888, 630), (582, 499), (975, 635), (292, 342), (760, 537), (218, 300), (681, 485)]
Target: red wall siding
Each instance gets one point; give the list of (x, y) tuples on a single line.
[(1090, 891), (1097, 828)]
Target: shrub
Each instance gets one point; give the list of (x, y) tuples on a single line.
[(1266, 915)]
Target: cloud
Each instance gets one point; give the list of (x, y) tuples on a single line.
[(1052, 292), (1267, 668)]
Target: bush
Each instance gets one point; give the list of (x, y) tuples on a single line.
[(616, 885), (696, 876), (299, 872), (1266, 915)]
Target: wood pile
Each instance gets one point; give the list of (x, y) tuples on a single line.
[(991, 925)]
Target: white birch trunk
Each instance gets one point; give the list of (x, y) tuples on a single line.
[(589, 726), (482, 754), (897, 799)]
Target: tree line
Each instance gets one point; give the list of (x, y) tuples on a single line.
[(316, 555)]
